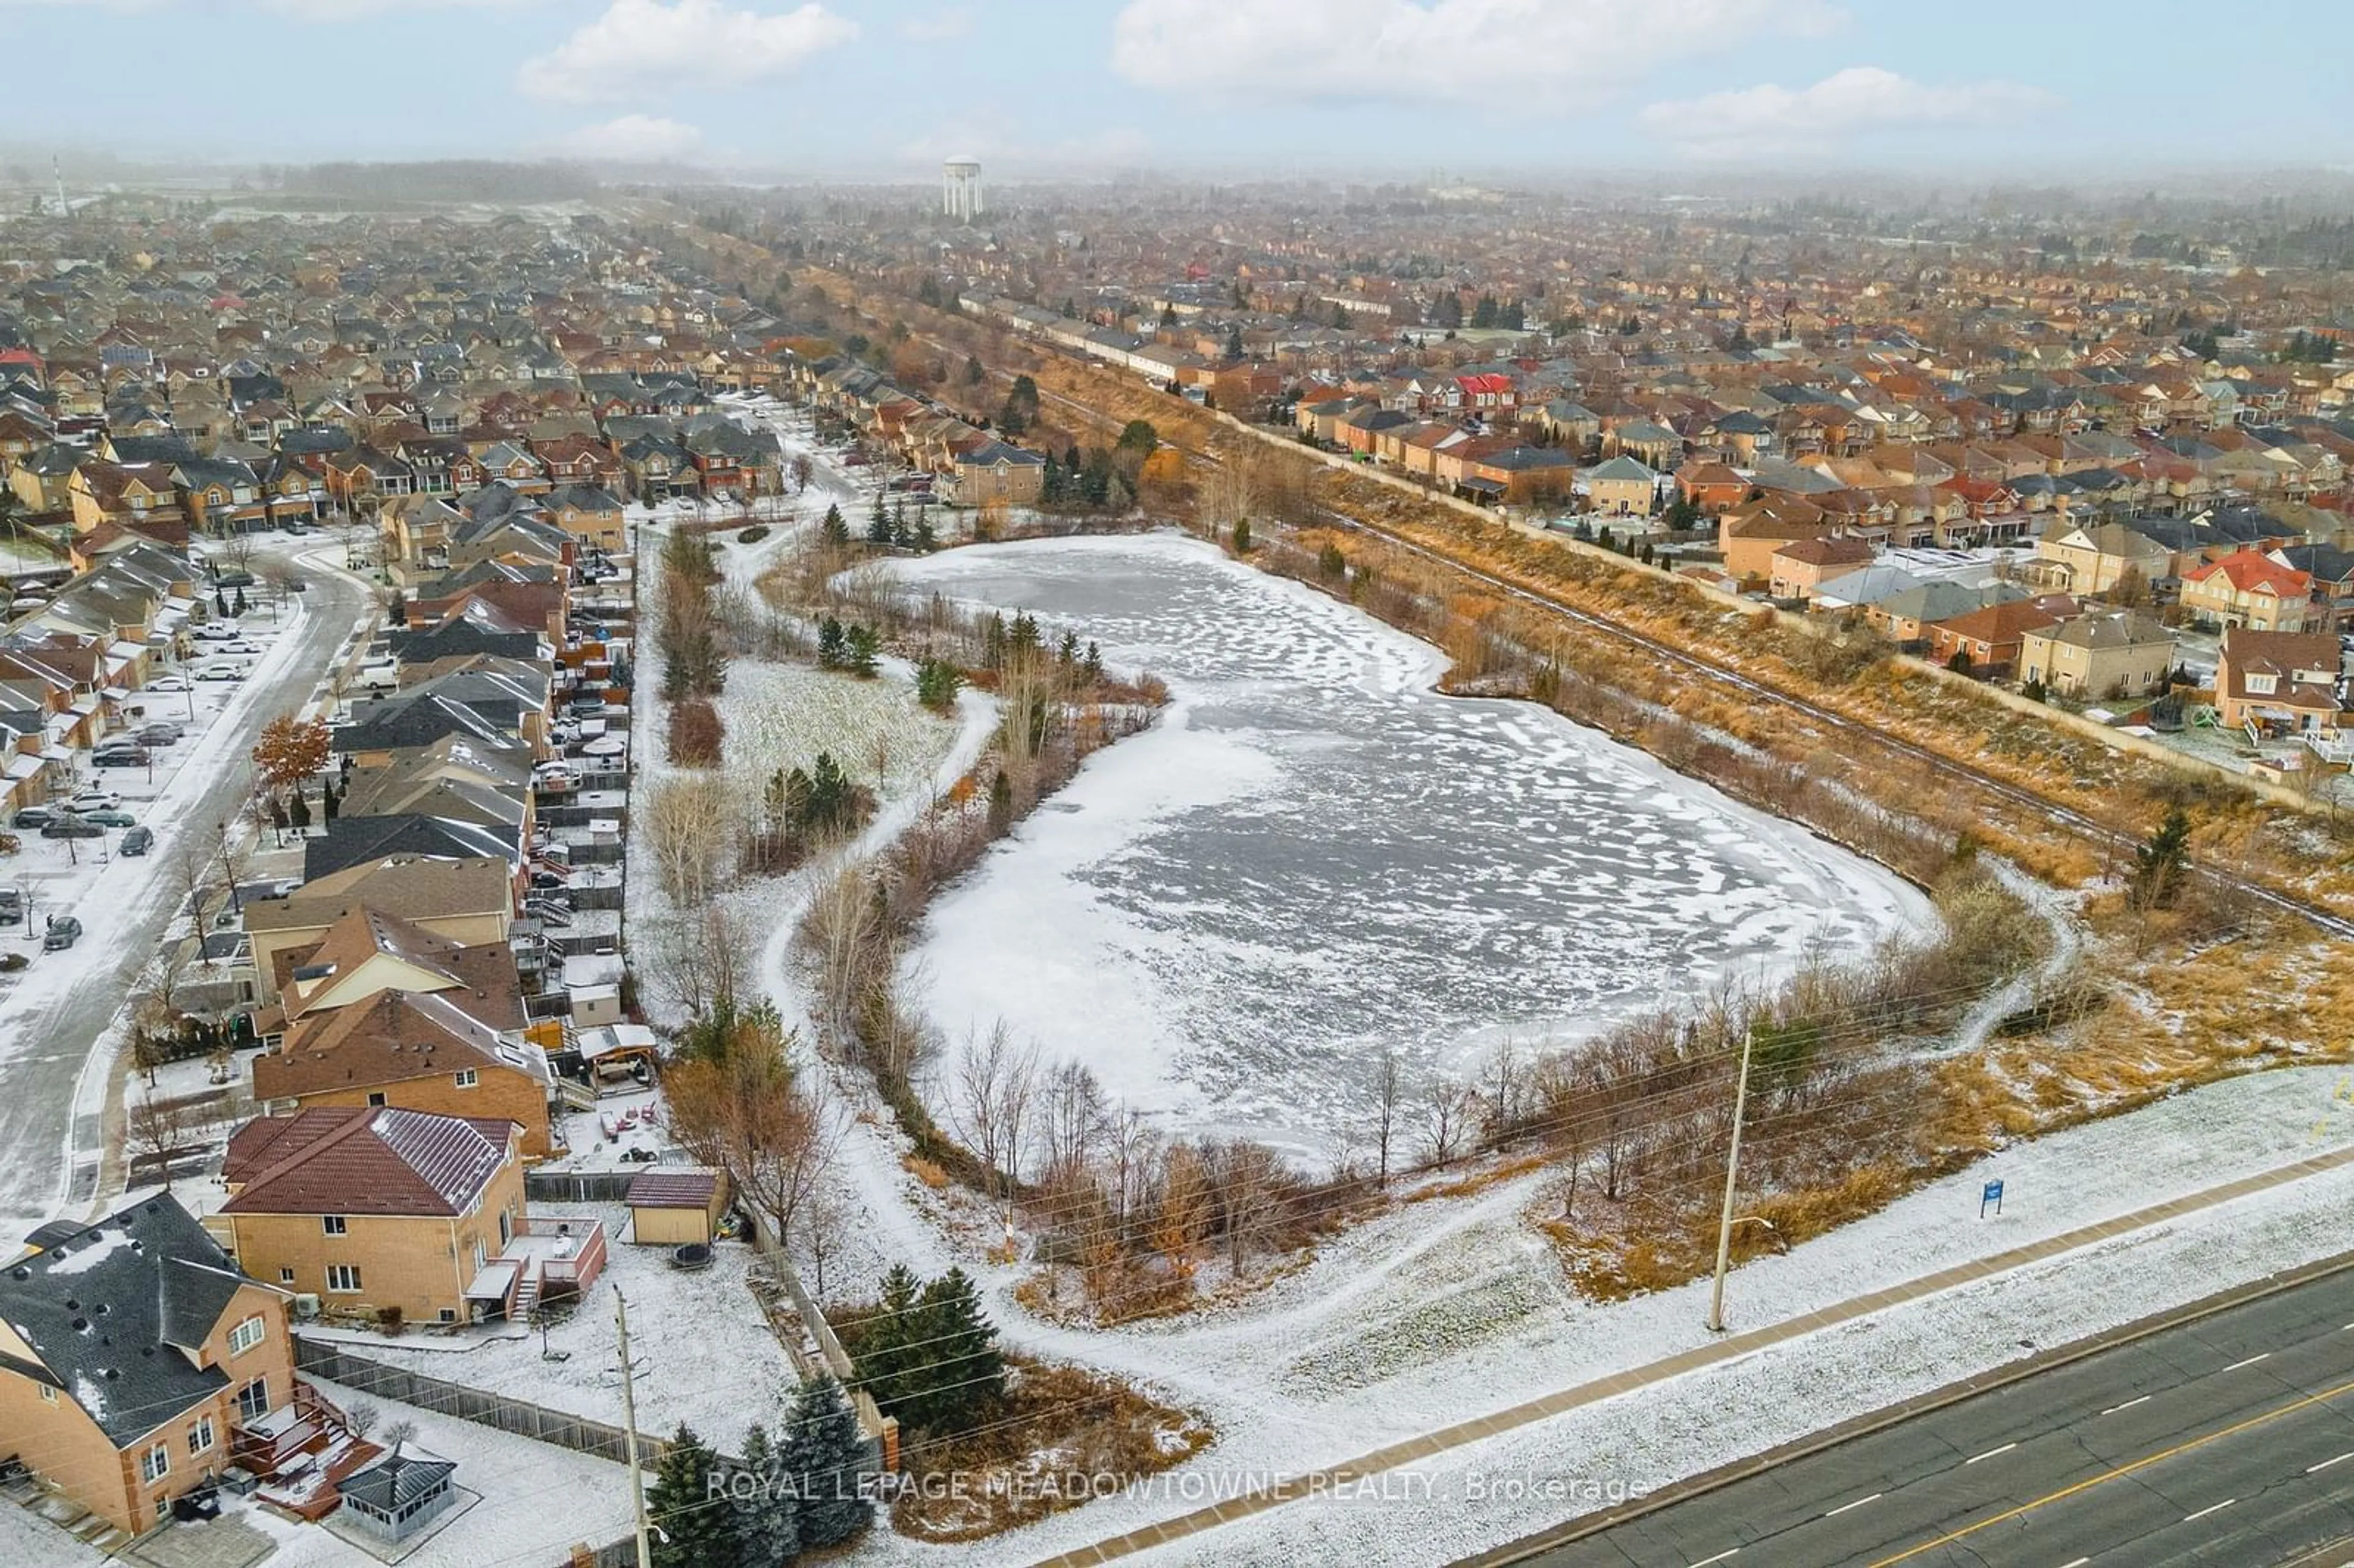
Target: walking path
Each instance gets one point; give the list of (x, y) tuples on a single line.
[(1336, 1479)]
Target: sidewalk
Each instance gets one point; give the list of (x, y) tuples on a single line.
[(1326, 1481)]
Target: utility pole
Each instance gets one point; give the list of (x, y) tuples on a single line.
[(630, 1429), (1731, 1170)]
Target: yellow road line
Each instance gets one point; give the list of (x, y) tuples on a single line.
[(2142, 1464)]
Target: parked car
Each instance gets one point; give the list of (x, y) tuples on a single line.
[(168, 684), (35, 817), (72, 828), (241, 645), (155, 734), (110, 819), (218, 631), (234, 580), (12, 906), (220, 670), (120, 757), (138, 841), (62, 932), (298, 586), (90, 799)]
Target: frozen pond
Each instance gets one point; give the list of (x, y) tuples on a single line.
[(1315, 853)]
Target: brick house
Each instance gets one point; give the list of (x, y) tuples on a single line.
[(132, 1353), (379, 1211), (2280, 680)]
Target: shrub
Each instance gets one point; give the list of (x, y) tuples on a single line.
[(695, 734), (754, 535)]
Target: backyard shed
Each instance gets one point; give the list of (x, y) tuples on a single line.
[(674, 1204)]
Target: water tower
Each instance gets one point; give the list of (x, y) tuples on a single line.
[(960, 189)]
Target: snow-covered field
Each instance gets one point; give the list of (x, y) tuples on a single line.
[(1442, 1312), (1316, 854)]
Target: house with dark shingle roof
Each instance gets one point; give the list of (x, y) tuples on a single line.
[(132, 1353)]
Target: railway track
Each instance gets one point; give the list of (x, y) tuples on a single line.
[(2089, 829)]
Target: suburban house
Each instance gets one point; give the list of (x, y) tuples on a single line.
[(2247, 588), (998, 473), (368, 952), (1993, 638), (410, 1050), (2278, 680), (1622, 487), (469, 902), (2099, 653), (132, 1353), (2093, 560), (1803, 566), (395, 1215)]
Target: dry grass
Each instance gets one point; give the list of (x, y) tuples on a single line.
[(924, 1171), (1066, 1435)]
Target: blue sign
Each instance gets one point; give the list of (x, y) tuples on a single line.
[(1992, 1194)]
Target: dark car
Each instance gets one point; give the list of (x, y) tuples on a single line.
[(63, 931), (138, 841), (234, 580), (119, 756), (110, 819), (73, 828), (36, 817), (298, 586), (157, 735), (12, 906)]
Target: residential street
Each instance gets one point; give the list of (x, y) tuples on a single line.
[(2222, 1444), (53, 1085)]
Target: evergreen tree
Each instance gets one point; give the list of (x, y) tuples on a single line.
[(863, 654), (899, 536), (937, 683), (2159, 864), (396, 612), (1242, 536), (1050, 486), (766, 1506), (221, 601), (973, 374), (963, 1380), (1024, 639), (924, 540), (298, 811), (693, 1534), (835, 530), (1235, 341), (993, 642), (824, 1454), (1483, 315), (887, 1359), (1091, 666), (236, 605), (878, 523), (329, 799), (831, 644)]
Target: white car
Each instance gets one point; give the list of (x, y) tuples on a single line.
[(95, 800), (218, 631), (168, 684), (240, 646), (220, 670)]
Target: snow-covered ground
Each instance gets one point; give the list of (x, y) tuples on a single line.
[(706, 1355), (1316, 856), (1447, 1310)]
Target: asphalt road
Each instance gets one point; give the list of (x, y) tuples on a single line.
[(53, 1143), (2227, 1443)]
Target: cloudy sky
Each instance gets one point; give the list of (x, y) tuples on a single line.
[(2028, 88)]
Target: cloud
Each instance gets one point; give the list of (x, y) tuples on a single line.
[(1771, 121), (638, 46), (938, 28), (1516, 55), (631, 138)]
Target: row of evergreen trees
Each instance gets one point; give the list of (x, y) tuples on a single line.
[(928, 1356), (797, 1490)]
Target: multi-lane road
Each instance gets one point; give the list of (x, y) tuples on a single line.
[(53, 1087), (2223, 1443)]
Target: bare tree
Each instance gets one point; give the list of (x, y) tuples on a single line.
[(991, 1102), (774, 1130), (1247, 1181), (1074, 1118), (825, 1225), (156, 1131), (1389, 1090), (701, 958), (690, 823), (1446, 1119)]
